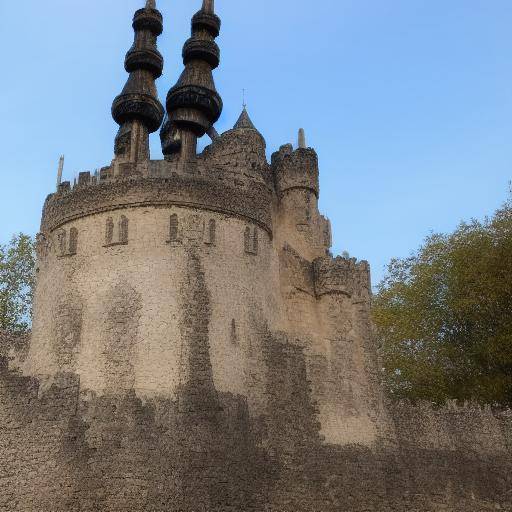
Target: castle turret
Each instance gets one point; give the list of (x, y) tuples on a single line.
[(295, 169), (241, 151), (297, 185), (193, 104), (137, 109)]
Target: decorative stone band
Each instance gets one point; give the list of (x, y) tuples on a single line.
[(138, 106), (201, 49), (206, 21), (195, 97), (253, 204), (148, 19), (146, 58), (342, 276)]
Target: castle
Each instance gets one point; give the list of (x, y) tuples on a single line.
[(195, 345)]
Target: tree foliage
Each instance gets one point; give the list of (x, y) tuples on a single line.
[(17, 262), (444, 316)]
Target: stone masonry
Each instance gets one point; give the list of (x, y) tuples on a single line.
[(197, 348)]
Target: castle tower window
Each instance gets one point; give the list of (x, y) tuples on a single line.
[(247, 240), (73, 241), (255, 241), (61, 242), (211, 233), (174, 229), (251, 241), (117, 236), (67, 245), (123, 230), (233, 333), (109, 231)]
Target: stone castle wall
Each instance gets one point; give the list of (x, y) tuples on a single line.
[(196, 348), (112, 310), (65, 449)]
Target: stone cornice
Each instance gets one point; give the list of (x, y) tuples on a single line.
[(252, 203)]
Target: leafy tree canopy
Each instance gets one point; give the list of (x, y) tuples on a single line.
[(444, 316), (17, 262)]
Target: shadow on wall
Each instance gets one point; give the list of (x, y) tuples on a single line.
[(65, 449)]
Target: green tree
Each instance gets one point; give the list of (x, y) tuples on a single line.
[(17, 262), (444, 316)]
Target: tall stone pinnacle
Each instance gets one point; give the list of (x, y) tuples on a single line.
[(137, 109), (193, 104), (302, 139), (59, 171)]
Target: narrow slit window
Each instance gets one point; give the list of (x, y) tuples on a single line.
[(73, 241), (173, 228), (61, 241), (211, 234), (247, 240), (109, 231), (123, 230)]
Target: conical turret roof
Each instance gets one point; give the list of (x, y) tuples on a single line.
[(244, 122)]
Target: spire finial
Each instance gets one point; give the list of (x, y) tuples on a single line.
[(150, 4), (209, 6), (244, 104), (59, 172), (302, 138)]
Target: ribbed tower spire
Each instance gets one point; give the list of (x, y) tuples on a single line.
[(209, 6), (193, 104), (137, 109)]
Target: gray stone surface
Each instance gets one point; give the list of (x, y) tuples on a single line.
[(196, 348)]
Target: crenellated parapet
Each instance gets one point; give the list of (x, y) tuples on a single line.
[(250, 199), (295, 169), (342, 276)]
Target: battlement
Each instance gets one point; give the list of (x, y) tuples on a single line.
[(295, 169), (220, 191), (342, 276)]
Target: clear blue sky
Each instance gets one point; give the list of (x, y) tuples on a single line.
[(408, 102)]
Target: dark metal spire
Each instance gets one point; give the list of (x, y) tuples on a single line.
[(193, 104), (137, 109)]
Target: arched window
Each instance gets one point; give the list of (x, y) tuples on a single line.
[(123, 230), (173, 228), (73, 241), (109, 231)]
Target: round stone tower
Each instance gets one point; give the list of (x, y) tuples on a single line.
[(202, 277), (155, 276)]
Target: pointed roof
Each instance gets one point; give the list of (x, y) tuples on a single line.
[(244, 122)]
